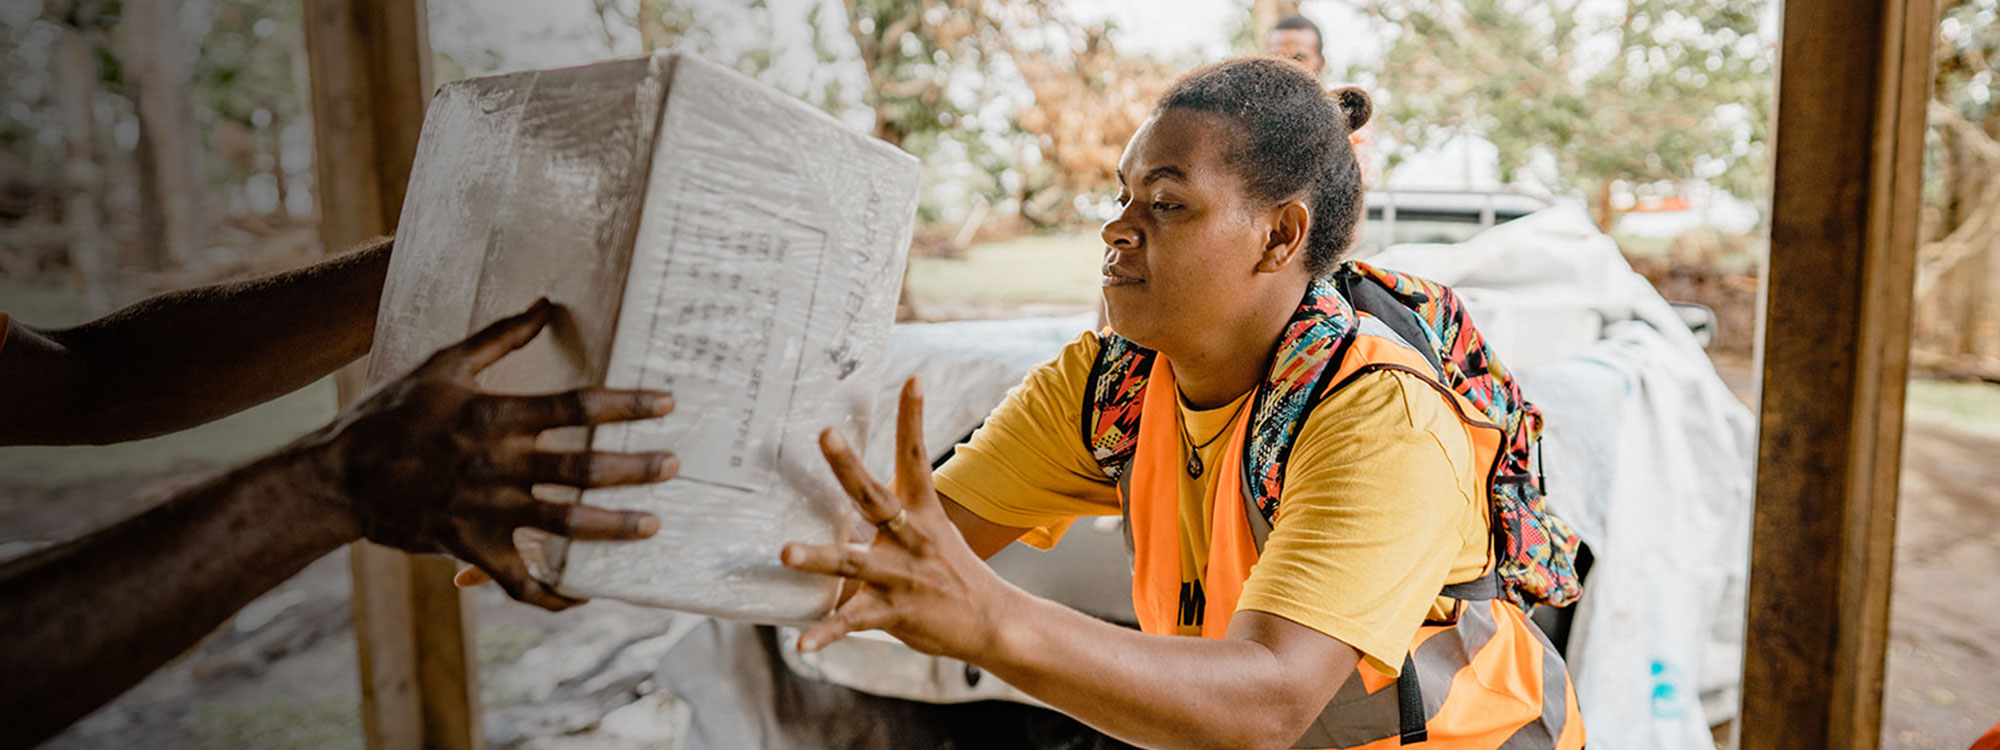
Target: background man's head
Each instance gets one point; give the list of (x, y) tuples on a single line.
[(1296, 37)]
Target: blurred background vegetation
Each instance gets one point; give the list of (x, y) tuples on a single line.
[(147, 145)]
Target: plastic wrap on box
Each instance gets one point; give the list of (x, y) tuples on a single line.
[(703, 235)]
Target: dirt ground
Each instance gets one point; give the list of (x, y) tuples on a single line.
[(1943, 686)]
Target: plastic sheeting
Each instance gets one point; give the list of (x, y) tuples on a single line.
[(705, 235), (1649, 456)]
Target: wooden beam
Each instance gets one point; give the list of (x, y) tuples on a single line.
[(1853, 80), (370, 71), (370, 66)]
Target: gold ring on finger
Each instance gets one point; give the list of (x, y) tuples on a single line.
[(895, 522)]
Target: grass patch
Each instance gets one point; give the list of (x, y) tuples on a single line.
[(1970, 406), (329, 721), (1049, 268), (43, 306), (231, 440), (504, 642)]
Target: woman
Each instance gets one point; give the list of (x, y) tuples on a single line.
[(1238, 195)]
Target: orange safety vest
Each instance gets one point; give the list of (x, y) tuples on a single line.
[(1490, 678)]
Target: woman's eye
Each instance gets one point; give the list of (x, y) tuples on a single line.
[(1122, 200), (1164, 206)]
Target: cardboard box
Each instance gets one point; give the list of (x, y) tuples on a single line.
[(703, 234)]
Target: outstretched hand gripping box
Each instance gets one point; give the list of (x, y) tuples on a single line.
[(702, 234)]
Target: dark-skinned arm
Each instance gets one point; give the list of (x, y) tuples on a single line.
[(1259, 687), (427, 464), (924, 582), (184, 358)]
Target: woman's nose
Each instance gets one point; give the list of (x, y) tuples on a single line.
[(1120, 233)]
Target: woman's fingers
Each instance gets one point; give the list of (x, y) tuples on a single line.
[(857, 561), (874, 500), (864, 612), (913, 464)]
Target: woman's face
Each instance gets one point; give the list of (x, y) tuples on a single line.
[(1182, 255)]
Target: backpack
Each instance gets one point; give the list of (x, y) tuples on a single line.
[(1535, 550)]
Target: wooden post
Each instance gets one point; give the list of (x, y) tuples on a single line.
[(1854, 76), (369, 63)]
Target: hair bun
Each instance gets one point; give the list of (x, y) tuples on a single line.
[(1354, 102)]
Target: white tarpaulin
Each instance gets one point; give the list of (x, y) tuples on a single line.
[(1648, 455)]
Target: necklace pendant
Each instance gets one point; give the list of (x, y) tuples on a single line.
[(1194, 466)]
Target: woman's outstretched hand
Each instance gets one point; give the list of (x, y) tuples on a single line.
[(918, 580)]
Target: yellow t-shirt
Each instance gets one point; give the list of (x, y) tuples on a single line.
[(1382, 504)]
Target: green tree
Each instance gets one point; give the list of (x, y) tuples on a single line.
[(922, 56), (1652, 92), (935, 68), (1089, 99), (248, 89)]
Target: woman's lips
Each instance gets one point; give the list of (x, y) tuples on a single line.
[(1114, 278)]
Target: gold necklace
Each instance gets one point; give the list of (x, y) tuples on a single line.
[(1194, 464)]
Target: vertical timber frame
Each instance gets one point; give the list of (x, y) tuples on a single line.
[(1853, 81), (369, 63)]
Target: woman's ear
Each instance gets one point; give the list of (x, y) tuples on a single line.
[(1286, 244)]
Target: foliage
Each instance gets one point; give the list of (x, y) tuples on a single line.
[(1261, 15), (1087, 104), (1654, 93), (28, 122), (1968, 41), (248, 89)]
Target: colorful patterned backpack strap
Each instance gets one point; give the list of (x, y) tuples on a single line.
[(1315, 339), (1111, 401), (1536, 549)]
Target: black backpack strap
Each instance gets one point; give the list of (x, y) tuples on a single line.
[(1410, 704), (1410, 690), (1483, 588)]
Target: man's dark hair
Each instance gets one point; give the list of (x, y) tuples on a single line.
[(1295, 22), (1291, 141)]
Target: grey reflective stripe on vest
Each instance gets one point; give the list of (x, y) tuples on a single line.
[(1125, 512), (1373, 326), (1355, 717)]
